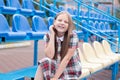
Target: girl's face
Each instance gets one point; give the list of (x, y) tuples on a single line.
[(61, 23)]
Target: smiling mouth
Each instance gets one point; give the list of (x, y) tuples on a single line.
[(61, 27)]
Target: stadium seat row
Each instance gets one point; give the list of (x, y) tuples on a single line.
[(21, 29), (14, 6), (97, 57), (85, 15)]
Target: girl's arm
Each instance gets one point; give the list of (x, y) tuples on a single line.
[(64, 63), (50, 46)]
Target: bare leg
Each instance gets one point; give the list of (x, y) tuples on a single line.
[(39, 74)]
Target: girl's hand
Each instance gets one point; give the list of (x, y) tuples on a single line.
[(52, 29)]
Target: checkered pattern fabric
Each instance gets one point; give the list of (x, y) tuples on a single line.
[(73, 69)]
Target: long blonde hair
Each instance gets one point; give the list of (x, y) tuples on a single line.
[(67, 35)]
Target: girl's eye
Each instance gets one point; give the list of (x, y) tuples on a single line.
[(59, 20), (66, 21)]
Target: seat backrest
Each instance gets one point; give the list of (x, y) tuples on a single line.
[(107, 26), (27, 4), (70, 10), (38, 24), (98, 49), (50, 21), (4, 26), (96, 24), (106, 47), (75, 12), (2, 3), (81, 13), (96, 15), (54, 8), (102, 26), (91, 23), (20, 23), (61, 8), (84, 24), (86, 14), (14, 3), (91, 14), (81, 55), (88, 50)]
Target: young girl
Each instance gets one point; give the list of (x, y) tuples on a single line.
[(62, 60)]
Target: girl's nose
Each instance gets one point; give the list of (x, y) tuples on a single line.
[(63, 22)]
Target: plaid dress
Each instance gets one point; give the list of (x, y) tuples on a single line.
[(72, 70)]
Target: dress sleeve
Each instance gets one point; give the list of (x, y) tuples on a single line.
[(73, 41)]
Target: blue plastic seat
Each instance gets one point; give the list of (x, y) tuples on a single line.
[(91, 23), (96, 24), (100, 17), (81, 14), (16, 4), (104, 30), (105, 27), (6, 33), (50, 21), (39, 25), (95, 17), (54, 9), (91, 15), (102, 26), (28, 4), (101, 30), (93, 29), (84, 24), (108, 28), (70, 10), (61, 8), (86, 14), (2, 3), (21, 24), (5, 9), (75, 12)]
